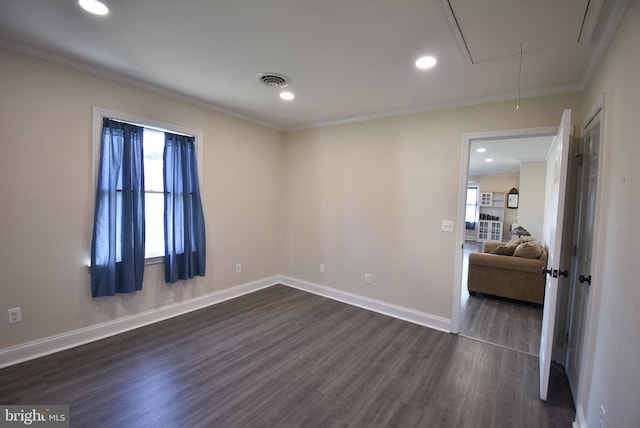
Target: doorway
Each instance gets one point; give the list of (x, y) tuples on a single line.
[(555, 237), (503, 322), (581, 275)]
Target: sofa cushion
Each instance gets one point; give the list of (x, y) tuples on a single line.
[(504, 250), (529, 250), (510, 247), (495, 262), (518, 241)]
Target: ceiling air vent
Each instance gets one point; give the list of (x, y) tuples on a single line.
[(274, 80)]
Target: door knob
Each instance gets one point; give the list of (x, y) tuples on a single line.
[(584, 279), (546, 271), (564, 273)]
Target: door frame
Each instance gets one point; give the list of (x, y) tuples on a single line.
[(467, 138), (578, 219), (592, 313)]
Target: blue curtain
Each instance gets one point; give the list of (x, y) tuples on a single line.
[(185, 246), (117, 248)]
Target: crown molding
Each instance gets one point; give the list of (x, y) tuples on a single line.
[(557, 90), (120, 78), (601, 46)]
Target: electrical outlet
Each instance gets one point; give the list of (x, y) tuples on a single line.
[(15, 315), (367, 278), (238, 268), (447, 225), (321, 267)]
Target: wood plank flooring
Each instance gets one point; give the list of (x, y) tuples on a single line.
[(505, 322), (282, 357)]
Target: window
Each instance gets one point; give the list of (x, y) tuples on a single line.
[(148, 204), (153, 148), (471, 212)]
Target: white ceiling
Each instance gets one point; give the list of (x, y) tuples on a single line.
[(507, 154), (348, 60)]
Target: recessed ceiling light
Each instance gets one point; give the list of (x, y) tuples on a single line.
[(481, 150), (94, 6), (287, 96), (425, 62), (488, 160)]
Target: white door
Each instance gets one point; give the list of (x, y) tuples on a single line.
[(561, 155), (581, 275)]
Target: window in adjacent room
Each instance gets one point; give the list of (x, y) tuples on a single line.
[(471, 213)]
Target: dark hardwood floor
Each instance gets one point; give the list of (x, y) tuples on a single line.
[(504, 322), (282, 357)]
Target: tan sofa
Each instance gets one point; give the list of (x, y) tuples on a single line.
[(509, 276)]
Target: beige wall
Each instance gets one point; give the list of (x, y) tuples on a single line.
[(612, 375), (47, 198), (362, 198), (532, 197), (365, 197), (370, 197)]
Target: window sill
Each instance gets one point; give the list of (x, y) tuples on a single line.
[(147, 262), (154, 260)]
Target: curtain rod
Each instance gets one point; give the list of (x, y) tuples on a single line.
[(155, 128)]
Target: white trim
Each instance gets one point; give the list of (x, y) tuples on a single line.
[(600, 48), (52, 344), (460, 235), (132, 81), (592, 314), (108, 74), (468, 102), (462, 195), (593, 113), (581, 420), (71, 339), (395, 311), (511, 133)]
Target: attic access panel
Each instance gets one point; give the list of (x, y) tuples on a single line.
[(493, 29)]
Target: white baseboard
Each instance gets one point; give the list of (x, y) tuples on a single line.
[(381, 307), (581, 420), (71, 339), (49, 345)]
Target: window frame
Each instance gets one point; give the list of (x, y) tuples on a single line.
[(100, 113), (477, 204)]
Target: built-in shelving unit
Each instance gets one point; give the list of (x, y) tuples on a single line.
[(491, 216)]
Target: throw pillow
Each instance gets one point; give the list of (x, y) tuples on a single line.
[(529, 250), (517, 241), (504, 250), (519, 231)]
